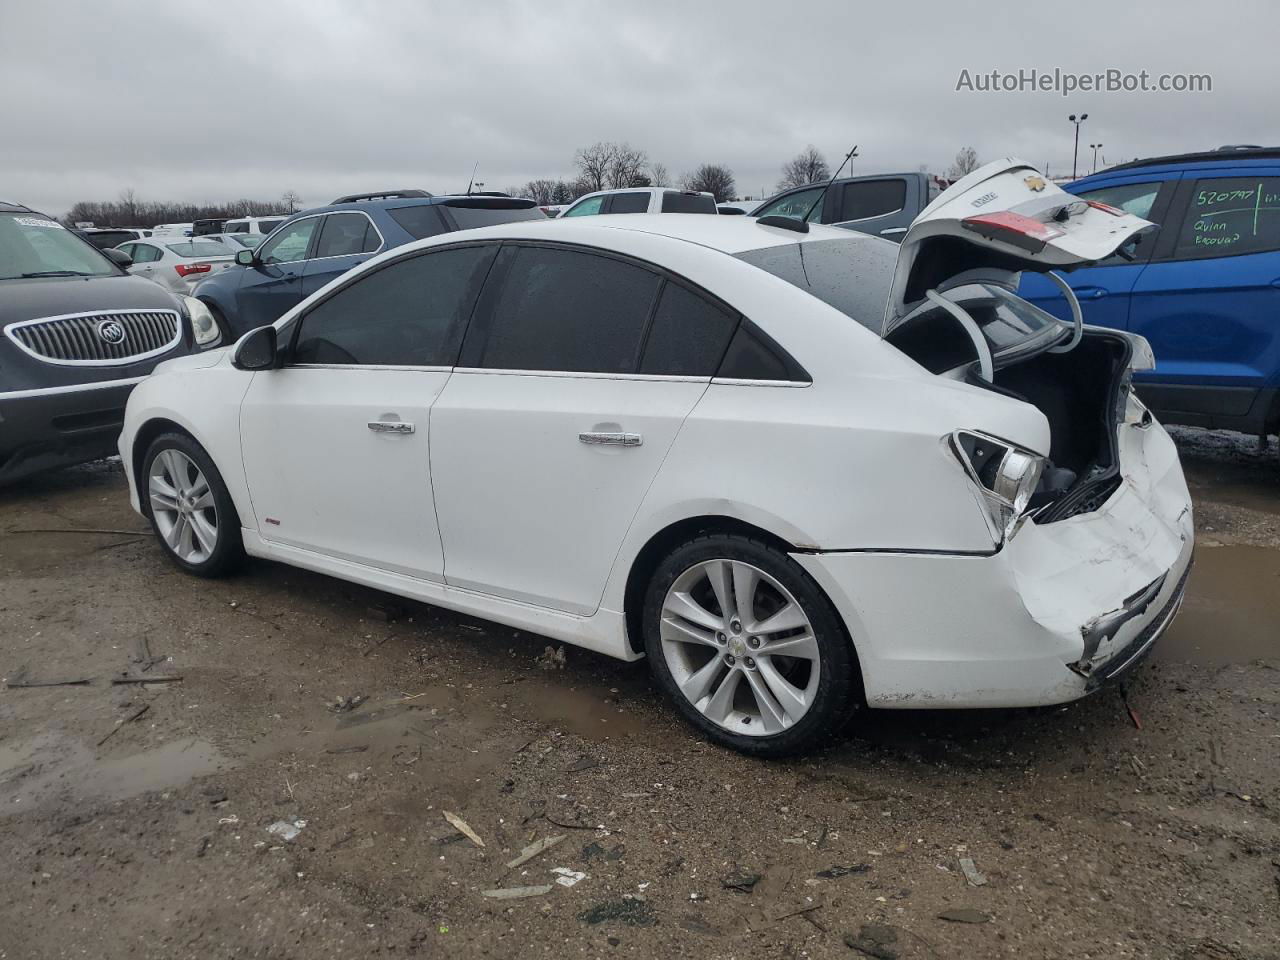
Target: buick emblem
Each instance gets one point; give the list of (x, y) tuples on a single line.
[(111, 331)]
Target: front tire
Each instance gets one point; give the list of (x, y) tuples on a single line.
[(190, 508), (748, 647)]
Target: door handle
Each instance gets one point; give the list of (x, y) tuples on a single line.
[(612, 439), (1090, 293), (391, 426)]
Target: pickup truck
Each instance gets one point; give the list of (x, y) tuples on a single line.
[(883, 204)]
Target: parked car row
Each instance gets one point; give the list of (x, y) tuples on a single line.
[(799, 468)]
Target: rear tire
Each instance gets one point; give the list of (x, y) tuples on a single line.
[(748, 647), (189, 507)]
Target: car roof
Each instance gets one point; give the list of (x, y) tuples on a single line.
[(1223, 155), (731, 235)]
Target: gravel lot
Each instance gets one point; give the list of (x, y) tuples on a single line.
[(136, 818)]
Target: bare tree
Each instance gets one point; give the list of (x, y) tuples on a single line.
[(594, 163), (807, 166), (626, 167), (129, 204), (128, 211), (540, 191), (712, 178), (291, 199), (966, 162), (658, 175), (562, 193)]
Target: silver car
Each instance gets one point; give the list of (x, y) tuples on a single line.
[(176, 262)]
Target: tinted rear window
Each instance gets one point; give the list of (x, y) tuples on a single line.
[(629, 203), (673, 202), (419, 221), (199, 248), (851, 275), (872, 198), (468, 217), (266, 226)]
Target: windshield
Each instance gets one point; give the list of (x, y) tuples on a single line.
[(35, 246), (852, 275), (198, 248)]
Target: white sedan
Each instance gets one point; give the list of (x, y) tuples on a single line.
[(800, 469), (178, 263)]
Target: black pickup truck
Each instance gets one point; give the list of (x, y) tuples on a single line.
[(76, 333)]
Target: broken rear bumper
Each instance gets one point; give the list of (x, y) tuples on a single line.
[(1061, 609)]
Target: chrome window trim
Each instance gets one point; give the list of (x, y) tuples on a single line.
[(113, 362), (585, 375), (369, 366), (382, 241), (70, 388), (295, 220)]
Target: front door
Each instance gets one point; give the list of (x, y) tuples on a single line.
[(337, 443), (273, 285), (577, 373)]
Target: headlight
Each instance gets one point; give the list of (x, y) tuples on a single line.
[(1005, 474), (203, 325)]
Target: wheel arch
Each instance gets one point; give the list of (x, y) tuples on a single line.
[(142, 440), (669, 537)]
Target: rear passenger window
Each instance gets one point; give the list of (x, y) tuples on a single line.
[(872, 198), (410, 313), (567, 311), (629, 203), (688, 336), (1231, 216), (754, 356), (344, 234), (422, 220)]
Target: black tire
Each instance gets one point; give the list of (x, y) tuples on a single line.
[(839, 684), (228, 553)]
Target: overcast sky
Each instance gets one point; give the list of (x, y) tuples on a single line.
[(250, 99)]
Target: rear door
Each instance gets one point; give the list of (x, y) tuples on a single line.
[(1209, 299), (578, 370), (883, 206), (344, 241), (1105, 290), (634, 201), (274, 283)]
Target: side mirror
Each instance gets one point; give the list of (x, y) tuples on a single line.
[(118, 257), (256, 350), (244, 258)]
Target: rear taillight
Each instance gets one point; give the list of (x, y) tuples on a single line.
[(1005, 474), (186, 269), (1013, 228)]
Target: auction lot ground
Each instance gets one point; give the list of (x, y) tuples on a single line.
[(1096, 838)]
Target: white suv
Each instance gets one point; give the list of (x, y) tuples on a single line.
[(258, 225), (642, 200)]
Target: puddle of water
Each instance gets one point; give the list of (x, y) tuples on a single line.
[(595, 713), (1232, 610), (35, 771), (1248, 486)]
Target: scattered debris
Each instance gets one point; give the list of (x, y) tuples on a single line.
[(628, 910), (552, 658), (583, 763), (783, 912), (594, 851), (359, 748), (346, 704), (215, 795), (566, 877), (569, 825), (20, 680), (375, 645), (202, 845), (875, 940), (971, 872), (286, 829), (535, 848), (964, 915), (840, 870), (517, 893), (129, 718), (142, 655), (122, 533), (741, 881), (126, 677), (463, 827), (1133, 714), (386, 612), (695, 924), (343, 840)]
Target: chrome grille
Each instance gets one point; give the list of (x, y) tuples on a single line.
[(87, 338)]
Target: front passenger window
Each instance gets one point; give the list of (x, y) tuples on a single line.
[(408, 313), (290, 244)]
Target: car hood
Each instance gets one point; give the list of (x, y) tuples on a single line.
[(58, 296), (1005, 217)]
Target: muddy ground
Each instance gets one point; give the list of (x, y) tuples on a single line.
[(152, 837)]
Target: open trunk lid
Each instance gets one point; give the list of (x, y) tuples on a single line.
[(1002, 219)]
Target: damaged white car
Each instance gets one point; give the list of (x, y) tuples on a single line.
[(801, 469)]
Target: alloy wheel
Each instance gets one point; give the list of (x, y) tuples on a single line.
[(183, 506), (740, 647)]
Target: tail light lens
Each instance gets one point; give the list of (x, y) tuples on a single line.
[(186, 269), (1014, 229), (1006, 476)]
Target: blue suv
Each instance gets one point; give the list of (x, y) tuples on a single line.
[(1204, 289), (315, 246)]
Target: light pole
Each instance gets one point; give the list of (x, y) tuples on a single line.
[(1077, 121), (1096, 147)]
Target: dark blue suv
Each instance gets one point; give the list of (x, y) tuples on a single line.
[(315, 246), (1204, 289)]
